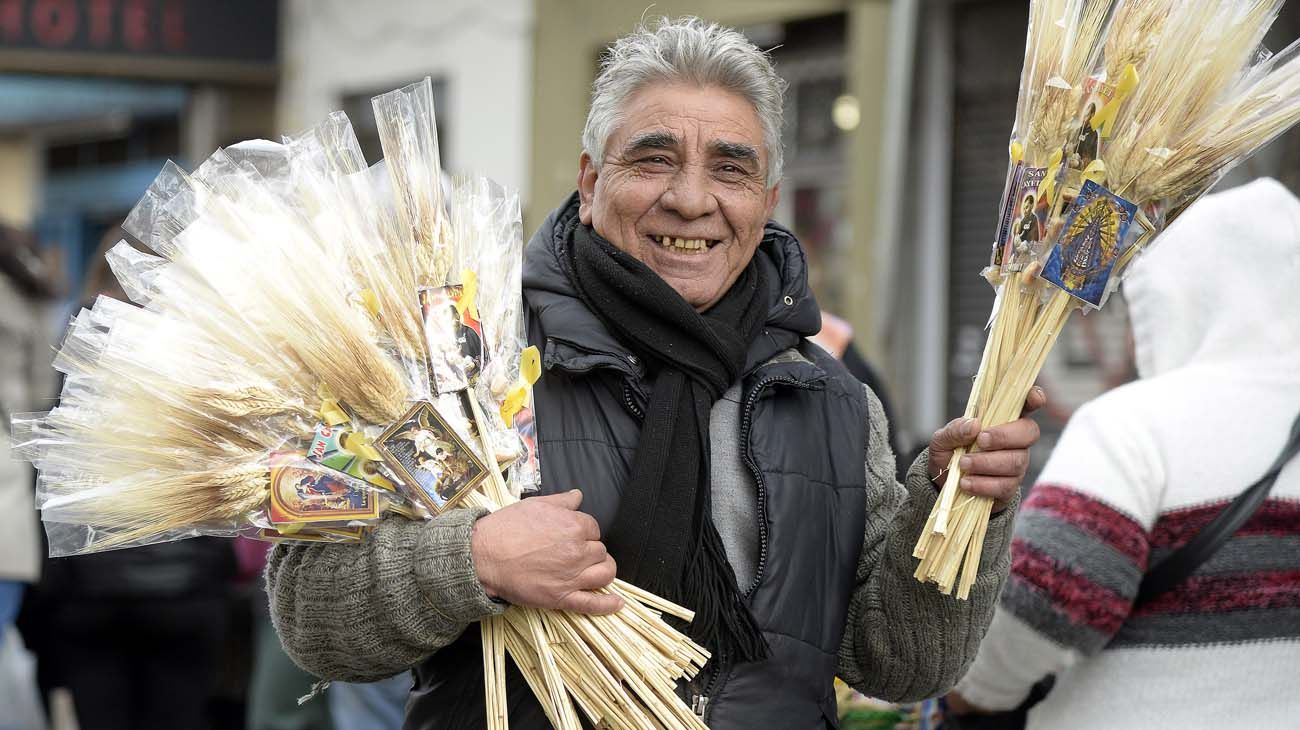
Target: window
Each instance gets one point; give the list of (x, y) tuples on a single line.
[(145, 139), (357, 106)]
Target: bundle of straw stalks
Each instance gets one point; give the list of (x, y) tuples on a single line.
[(276, 301), (172, 411), (1200, 100), (620, 670)]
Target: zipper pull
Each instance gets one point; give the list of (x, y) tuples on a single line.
[(699, 705)]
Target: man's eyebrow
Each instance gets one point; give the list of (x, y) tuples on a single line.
[(735, 150), (651, 141)]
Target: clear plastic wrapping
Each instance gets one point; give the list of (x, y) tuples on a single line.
[(335, 188), (405, 120), (1062, 45), (273, 377), (511, 368)]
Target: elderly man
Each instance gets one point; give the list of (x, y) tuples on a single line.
[(718, 457)]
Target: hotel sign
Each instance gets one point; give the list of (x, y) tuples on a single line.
[(227, 40)]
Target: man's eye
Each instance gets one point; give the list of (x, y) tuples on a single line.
[(656, 160)]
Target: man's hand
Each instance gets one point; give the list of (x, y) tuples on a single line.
[(543, 552), (997, 469)]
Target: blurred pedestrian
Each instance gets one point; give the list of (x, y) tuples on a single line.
[(370, 705), (836, 337), (136, 635), (26, 384), (276, 682), (1139, 471)]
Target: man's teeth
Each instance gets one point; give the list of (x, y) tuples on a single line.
[(684, 244)]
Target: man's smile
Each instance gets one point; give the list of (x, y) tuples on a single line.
[(685, 245)]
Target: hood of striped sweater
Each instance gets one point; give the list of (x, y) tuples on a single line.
[(1221, 285)]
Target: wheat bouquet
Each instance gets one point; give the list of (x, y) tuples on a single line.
[(315, 345), (1129, 110)]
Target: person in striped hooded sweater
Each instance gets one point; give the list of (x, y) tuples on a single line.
[(1215, 308)]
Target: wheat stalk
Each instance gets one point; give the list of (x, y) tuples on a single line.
[(335, 183), (138, 509), (620, 670), (1198, 109), (1063, 42), (409, 138)]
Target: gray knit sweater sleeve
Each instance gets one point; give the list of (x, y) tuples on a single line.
[(360, 612), (903, 639)]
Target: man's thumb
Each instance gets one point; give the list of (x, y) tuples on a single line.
[(959, 432), (571, 499), (599, 604)]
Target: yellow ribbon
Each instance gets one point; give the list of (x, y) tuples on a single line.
[(290, 528), (1017, 153), (1048, 185), (361, 445), (1096, 172), (530, 370), (357, 443), (468, 295), (330, 411), (1104, 120)]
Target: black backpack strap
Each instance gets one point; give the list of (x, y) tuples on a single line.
[(1181, 563)]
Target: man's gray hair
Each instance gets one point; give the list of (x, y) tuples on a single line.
[(691, 50)]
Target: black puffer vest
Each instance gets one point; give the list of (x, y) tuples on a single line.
[(803, 428)]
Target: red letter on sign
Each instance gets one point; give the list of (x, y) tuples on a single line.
[(173, 25), (101, 22), (54, 22), (11, 20), (135, 25)]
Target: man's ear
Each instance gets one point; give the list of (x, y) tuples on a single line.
[(587, 175), (773, 197)]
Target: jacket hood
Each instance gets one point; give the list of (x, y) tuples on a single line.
[(794, 313), (1222, 285)]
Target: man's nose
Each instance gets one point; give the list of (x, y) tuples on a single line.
[(690, 194)]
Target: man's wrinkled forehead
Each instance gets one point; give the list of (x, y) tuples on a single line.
[(710, 119)]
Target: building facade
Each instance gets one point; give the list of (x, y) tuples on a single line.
[(339, 53)]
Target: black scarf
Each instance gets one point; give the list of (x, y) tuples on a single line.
[(663, 536)]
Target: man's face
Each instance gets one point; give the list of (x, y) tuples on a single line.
[(683, 187)]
